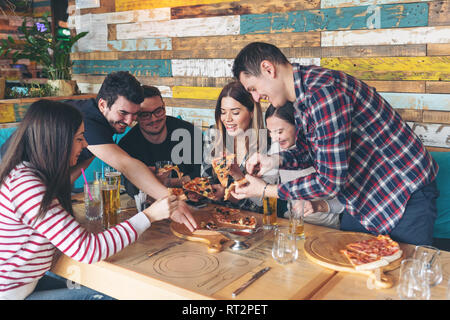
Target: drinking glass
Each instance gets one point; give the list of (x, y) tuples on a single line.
[(296, 213), (412, 286), (92, 201), (284, 248), (430, 263), (109, 191), (269, 213)]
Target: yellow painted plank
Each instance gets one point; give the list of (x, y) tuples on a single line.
[(393, 68), (7, 112), (125, 5), (204, 93)]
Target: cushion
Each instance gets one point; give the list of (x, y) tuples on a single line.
[(442, 224)]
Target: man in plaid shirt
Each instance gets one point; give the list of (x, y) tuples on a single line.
[(363, 152)]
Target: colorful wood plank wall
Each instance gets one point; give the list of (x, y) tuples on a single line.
[(186, 48)]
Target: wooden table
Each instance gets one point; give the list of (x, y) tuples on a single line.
[(302, 279)]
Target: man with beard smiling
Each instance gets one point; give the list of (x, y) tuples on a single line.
[(151, 139)]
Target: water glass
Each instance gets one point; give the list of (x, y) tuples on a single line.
[(92, 201), (412, 286), (284, 248), (296, 214), (430, 264)]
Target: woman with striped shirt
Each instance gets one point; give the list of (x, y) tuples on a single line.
[(36, 216)]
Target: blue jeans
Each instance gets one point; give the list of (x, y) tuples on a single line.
[(417, 223), (53, 287)]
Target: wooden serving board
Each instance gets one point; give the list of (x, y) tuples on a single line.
[(324, 249), (213, 239)]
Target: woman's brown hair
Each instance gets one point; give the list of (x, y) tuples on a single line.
[(44, 139)]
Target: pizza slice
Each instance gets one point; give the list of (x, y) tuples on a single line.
[(222, 167), (362, 261), (382, 246), (372, 253), (201, 186), (233, 218), (232, 187), (179, 192)]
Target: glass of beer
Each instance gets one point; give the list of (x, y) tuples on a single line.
[(109, 190), (296, 212), (269, 213)]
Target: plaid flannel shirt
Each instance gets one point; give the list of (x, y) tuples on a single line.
[(362, 150)]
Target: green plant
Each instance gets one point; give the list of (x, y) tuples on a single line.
[(38, 44)]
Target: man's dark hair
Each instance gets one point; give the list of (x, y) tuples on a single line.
[(120, 83), (250, 57), (151, 91)]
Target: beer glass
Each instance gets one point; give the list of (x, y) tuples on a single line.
[(109, 190), (93, 207), (284, 248), (296, 213), (112, 176), (269, 213)]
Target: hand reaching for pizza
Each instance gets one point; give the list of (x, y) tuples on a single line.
[(161, 208), (254, 188), (183, 215), (259, 164), (219, 191), (195, 197)]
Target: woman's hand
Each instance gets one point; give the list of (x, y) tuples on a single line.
[(161, 208), (219, 191)]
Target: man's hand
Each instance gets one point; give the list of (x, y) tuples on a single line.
[(183, 215), (258, 164), (254, 188)]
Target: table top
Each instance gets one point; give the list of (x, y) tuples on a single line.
[(302, 279)]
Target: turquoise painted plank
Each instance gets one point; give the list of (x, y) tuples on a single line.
[(437, 102), (138, 67), (140, 44), (350, 18)]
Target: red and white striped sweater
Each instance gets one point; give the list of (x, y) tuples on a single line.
[(27, 245)]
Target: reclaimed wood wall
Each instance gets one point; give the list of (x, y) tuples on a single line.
[(186, 48)]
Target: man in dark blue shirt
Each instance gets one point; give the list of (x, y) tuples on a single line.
[(156, 138)]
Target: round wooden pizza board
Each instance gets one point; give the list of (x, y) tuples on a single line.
[(324, 249), (213, 239)]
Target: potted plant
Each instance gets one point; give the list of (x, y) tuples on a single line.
[(37, 43)]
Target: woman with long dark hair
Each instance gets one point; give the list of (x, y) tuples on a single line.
[(36, 215), (237, 131)]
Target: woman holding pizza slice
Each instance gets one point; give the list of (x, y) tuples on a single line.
[(237, 134)]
